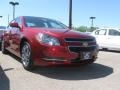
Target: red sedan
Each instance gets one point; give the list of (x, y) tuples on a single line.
[(46, 42)]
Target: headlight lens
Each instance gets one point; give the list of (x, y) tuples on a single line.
[(47, 39)]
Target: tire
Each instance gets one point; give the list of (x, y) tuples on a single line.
[(91, 61), (4, 51), (26, 56)]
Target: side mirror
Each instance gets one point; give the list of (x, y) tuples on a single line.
[(14, 25)]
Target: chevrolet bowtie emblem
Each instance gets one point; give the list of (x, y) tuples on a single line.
[(85, 44)]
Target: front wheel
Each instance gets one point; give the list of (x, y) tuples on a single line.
[(26, 56)]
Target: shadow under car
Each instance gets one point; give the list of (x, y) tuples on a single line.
[(92, 71)]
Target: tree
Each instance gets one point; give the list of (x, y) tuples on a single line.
[(92, 29), (85, 29), (81, 28)]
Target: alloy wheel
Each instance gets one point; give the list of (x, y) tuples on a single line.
[(26, 55)]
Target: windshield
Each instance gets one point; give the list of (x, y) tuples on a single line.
[(43, 23)]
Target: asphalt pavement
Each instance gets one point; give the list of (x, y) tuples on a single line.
[(104, 74)]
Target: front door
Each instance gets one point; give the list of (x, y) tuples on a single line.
[(15, 38), (101, 37)]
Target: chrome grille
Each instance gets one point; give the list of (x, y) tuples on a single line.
[(79, 40), (78, 44)]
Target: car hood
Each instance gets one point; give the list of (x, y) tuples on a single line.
[(61, 32)]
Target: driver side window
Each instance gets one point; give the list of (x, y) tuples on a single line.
[(101, 32)]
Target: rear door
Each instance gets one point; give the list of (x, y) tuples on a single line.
[(114, 38)]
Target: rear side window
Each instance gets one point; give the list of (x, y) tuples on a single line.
[(113, 32)]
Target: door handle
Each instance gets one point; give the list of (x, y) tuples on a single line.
[(109, 38)]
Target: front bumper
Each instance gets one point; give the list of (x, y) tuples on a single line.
[(57, 55)]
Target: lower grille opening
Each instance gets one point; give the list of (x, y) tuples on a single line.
[(78, 60), (79, 49)]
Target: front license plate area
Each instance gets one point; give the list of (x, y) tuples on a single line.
[(86, 55)]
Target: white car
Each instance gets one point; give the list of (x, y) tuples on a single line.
[(108, 38)]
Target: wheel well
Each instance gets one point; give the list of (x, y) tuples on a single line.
[(21, 43)]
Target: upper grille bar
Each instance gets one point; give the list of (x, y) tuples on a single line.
[(79, 40), (77, 44)]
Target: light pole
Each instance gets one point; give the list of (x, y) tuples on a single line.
[(70, 14), (92, 23), (14, 4), (8, 18)]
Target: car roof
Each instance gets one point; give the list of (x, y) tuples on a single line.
[(108, 28), (39, 17), (35, 17)]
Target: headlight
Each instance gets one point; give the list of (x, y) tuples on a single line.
[(47, 39)]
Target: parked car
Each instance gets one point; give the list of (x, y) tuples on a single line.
[(108, 38), (2, 28), (46, 42)]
